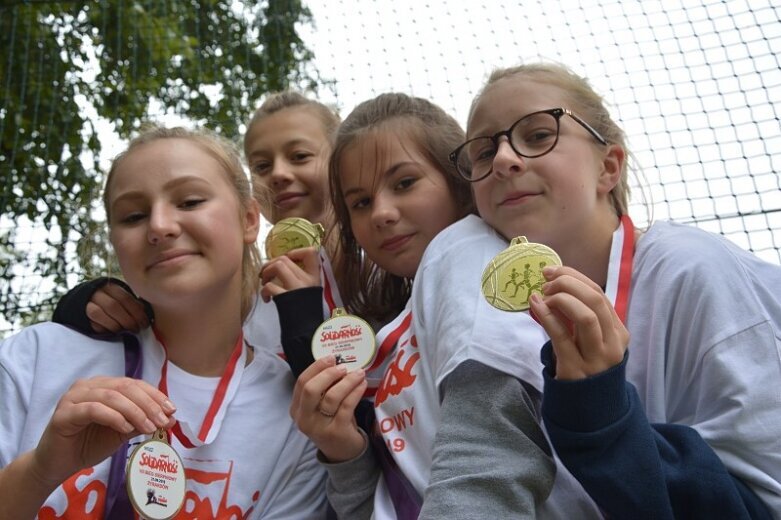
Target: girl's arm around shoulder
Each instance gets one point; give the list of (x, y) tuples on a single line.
[(71, 309), (103, 305), (491, 458), (632, 468)]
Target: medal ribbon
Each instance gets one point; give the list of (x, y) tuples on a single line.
[(619, 271), (118, 505), (331, 297), (223, 395)]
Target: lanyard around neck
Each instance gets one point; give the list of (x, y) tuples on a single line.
[(619, 272), (331, 297), (223, 394)]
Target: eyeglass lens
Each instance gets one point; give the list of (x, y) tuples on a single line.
[(532, 136)]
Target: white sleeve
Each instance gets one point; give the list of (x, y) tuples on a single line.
[(739, 412), (705, 348), (17, 353), (453, 319)]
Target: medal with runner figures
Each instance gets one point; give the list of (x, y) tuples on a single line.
[(514, 274)]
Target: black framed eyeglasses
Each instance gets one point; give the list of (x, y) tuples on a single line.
[(531, 136)]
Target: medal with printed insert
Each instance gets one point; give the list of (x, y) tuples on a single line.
[(347, 337), (156, 481)]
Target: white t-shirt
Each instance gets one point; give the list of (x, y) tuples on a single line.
[(704, 318), (258, 466), (452, 323)]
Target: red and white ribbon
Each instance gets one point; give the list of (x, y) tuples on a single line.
[(226, 390), (619, 272), (331, 297)]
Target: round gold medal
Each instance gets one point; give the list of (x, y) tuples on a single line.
[(156, 483), (292, 233), (349, 338), (514, 274)]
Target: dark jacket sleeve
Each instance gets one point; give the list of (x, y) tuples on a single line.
[(300, 313), (630, 467), (71, 310)]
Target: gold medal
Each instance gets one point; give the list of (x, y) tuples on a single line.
[(156, 483), (514, 274), (292, 233), (347, 337)]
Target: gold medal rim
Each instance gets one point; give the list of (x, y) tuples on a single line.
[(508, 251), (351, 316), (127, 477)]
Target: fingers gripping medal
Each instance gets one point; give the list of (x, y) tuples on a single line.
[(155, 479), (514, 274), (292, 233), (349, 338)]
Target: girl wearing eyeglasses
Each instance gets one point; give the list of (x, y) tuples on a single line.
[(661, 376), (457, 431)]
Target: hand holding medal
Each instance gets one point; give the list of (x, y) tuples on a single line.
[(292, 246), (587, 335), (585, 322), (515, 274), (328, 391), (156, 482), (323, 407), (94, 418)]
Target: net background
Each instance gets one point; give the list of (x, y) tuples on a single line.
[(696, 86)]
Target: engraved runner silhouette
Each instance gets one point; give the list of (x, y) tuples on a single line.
[(513, 277), (537, 285), (514, 280), (292, 243)]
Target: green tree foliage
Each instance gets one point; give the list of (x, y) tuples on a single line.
[(76, 74)]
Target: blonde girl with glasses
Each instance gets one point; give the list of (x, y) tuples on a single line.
[(661, 373), (457, 432), (183, 223)]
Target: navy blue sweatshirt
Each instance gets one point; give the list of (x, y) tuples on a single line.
[(630, 467)]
